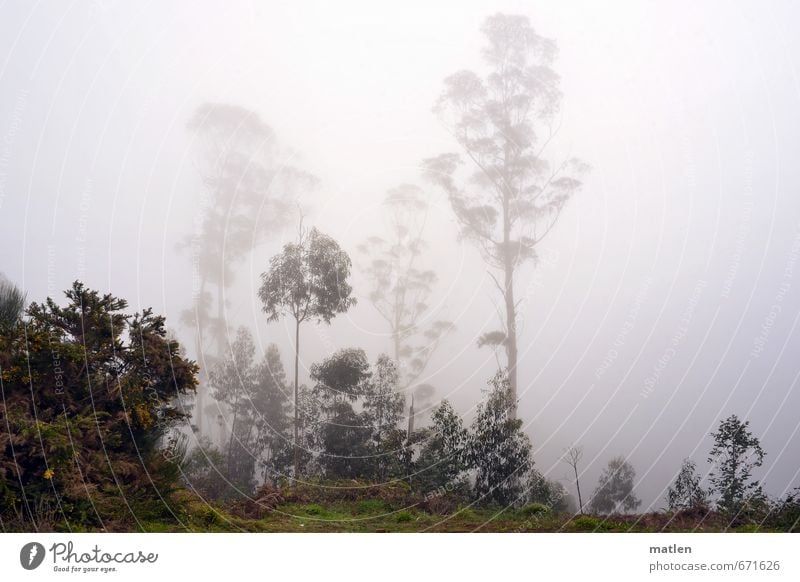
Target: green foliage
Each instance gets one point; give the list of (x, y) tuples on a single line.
[(233, 384), (383, 408), (314, 509), (785, 514), (736, 452), (204, 469), (12, 304), (272, 409), (345, 440), (685, 492), (255, 399), (308, 280), (339, 431), (614, 493), (371, 506), (547, 493), (466, 513), (499, 449), (341, 377), (535, 509), (383, 404), (89, 394), (442, 463), (588, 523), (350, 416)]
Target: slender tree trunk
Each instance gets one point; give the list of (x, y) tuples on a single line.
[(381, 458), (230, 442), (410, 419), (511, 331), (509, 264), (578, 486), (296, 451), (220, 319), (201, 389), (401, 380)]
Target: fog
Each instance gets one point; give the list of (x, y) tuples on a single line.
[(665, 298)]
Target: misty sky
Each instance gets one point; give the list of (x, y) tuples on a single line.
[(667, 297)]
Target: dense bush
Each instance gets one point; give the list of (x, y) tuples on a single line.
[(785, 513), (547, 493), (88, 395)]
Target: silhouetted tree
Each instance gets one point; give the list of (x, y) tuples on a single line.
[(504, 123), (685, 492), (309, 282), (736, 452), (614, 491)]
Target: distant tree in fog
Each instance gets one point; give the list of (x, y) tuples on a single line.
[(273, 406), (572, 456), (257, 399), (383, 408), (233, 381), (614, 493), (402, 288), (550, 493), (12, 304), (504, 122), (309, 282), (736, 452), (685, 492), (248, 188)]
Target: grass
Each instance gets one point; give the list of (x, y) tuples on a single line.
[(372, 509), (372, 515)]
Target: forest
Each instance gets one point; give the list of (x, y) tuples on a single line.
[(114, 419)]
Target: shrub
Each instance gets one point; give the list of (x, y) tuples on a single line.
[(90, 394), (534, 510)]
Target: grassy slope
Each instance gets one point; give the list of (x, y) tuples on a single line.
[(375, 515)]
